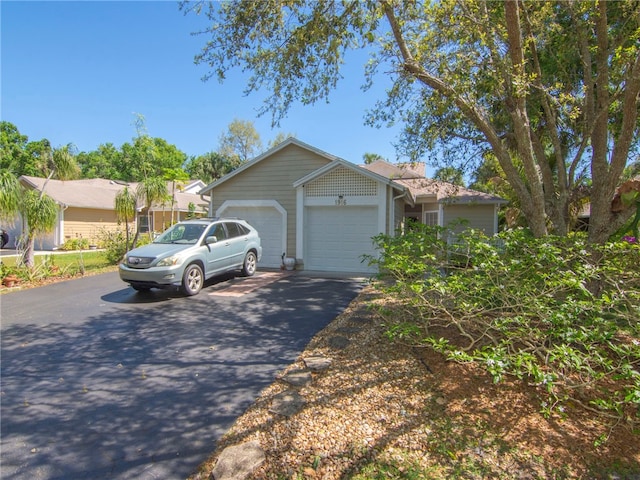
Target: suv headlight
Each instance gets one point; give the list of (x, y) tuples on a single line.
[(169, 261)]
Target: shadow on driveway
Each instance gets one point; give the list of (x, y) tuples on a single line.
[(145, 391)]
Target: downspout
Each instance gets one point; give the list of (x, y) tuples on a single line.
[(209, 202)]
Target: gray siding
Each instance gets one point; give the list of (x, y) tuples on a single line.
[(272, 179), (480, 217)]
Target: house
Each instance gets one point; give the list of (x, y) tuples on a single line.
[(323, 210), (87, 208), (441, 203)]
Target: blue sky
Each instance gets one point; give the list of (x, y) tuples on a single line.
[(77, 72)]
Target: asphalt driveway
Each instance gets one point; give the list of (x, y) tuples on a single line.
[(100, 382)]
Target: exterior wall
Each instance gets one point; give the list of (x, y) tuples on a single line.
[(272, 179), (479, 217), (162, 220), (430, 207), (14, 229), (87, 223)]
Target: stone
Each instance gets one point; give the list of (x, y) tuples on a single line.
[(338, 342), (297, 378), (238, 461), (287, 403), (348, 330), (317, 363)]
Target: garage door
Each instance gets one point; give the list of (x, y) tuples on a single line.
[(269, 223), (337, 237)]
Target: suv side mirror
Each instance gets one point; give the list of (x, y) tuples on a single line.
[(211, 239)]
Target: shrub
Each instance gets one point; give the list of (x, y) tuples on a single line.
[(114, 243), (75, 244), (556, 312)]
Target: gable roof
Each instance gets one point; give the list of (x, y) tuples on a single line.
[(261, 157), (444, 192), (194, 186), (422, 187), (395, 171), (96, 193), (90, 193), (340, 162)]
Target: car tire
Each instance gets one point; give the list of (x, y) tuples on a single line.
[(192, 280), (250, 264), (140, 288)]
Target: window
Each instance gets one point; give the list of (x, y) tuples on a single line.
[(217, 231), (233, 229), (431, 218), (143, 223)]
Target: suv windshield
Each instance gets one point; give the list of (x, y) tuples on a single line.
[(182, 233)]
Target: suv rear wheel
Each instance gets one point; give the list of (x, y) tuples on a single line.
[(249, 265), (192, 280)]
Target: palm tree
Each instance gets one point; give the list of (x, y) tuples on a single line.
[(177, 177), (10, 191), (125, 207), (40, 213), (149, 191)]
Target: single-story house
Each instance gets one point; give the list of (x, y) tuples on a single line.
[(323, 210), (87, 208)]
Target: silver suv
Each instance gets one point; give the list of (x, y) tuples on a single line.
[(192, 251)]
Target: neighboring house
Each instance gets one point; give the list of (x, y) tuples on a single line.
[(87, 208), (193, 186), (323, 210)]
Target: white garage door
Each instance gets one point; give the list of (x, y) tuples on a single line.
[(269, 223), (337, 237)]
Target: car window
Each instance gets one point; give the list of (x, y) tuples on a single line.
[(243, 230), (217, 231), (234, 229), (192, 233), (181, 233)]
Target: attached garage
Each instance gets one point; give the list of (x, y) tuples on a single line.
[(269, 219), (324, 211), (337, 237)]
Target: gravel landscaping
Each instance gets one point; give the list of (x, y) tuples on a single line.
[(375, 409)]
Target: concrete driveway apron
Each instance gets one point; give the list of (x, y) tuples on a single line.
[(100, 382)]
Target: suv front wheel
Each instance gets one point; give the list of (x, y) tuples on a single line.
[(192, 280)]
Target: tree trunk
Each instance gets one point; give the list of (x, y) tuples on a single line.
[(28, 256)]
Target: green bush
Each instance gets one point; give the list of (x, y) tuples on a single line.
[(75, 244), (114, 244), (556, 312)]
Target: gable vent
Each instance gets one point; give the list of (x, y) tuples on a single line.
[(342, 181)]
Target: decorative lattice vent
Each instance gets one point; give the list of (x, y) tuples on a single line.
[(342, 181)]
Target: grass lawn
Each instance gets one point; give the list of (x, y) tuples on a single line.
[(52, 266)]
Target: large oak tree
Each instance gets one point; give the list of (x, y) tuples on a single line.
[(550, 89)]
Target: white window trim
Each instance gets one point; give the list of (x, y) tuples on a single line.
[(428, 212)]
